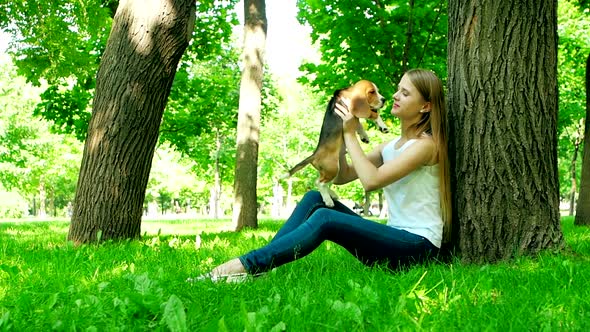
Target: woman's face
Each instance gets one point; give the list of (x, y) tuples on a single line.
[(407, 101)]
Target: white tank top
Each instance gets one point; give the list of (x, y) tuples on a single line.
[(414, 200)]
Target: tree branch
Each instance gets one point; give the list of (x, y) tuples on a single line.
[(431, 33)]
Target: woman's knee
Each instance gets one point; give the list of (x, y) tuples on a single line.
[(322, 217), (313, 196)]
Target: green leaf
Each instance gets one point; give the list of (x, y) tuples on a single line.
[(281, 326), (174, 314)]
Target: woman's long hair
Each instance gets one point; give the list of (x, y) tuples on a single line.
[(435, 124)]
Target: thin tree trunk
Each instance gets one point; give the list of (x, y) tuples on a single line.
[(277, 199), (146, 42), (51, 202), (574, 188), (578, 141), (42, 199), (583, 206), (245, 198), (502, 102), (34, 209), (367, 204), (213, 203), (409, 33), (431, 32), (216, 191), (289, 205)]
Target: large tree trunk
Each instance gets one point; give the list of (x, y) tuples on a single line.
[(146, 42), (583, 207), (245, 203), (502, 93)]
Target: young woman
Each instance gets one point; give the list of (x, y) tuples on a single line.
[(414, 174)]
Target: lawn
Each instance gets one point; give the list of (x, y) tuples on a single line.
[(48, 284)]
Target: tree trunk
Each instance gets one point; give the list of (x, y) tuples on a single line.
[(574, 188), (216, 190), (502, 98), (136, 72), (42, 200), (583, 206), (289, 205), (245, 202), (409, 33), (367, 204), (277, 199), (578, 139)]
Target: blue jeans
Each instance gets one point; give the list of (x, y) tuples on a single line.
[(312, 223)]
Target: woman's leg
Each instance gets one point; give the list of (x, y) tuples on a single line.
[(310, 202), (369, 241)]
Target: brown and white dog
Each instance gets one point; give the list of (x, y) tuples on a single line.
[(365, 102)]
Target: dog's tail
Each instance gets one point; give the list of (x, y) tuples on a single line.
[(297, 167)]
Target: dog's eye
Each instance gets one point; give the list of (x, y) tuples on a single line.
[(372, 92)]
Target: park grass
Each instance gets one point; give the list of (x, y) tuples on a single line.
[(48, 284)]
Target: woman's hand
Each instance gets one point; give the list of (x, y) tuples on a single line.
[(350, 122)]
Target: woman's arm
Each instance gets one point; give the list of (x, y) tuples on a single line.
[(372, 175), (347, 172), (375, 177)]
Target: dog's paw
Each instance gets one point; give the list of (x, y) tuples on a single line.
[(329, 202), (327, 193)]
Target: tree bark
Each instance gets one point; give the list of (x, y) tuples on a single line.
[(583, 206), (245, 197), (136, 72), (502, 98)]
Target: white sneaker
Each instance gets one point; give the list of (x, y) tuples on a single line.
[(228, 278)]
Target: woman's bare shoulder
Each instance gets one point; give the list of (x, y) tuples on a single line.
[(428, 145)]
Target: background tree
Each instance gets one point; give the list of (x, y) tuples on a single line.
[(62, 41), (284, 140), (503, 109), (574, 46), (59, 42), (173, 187), (583, 210), (39, 165), (245, 208), (133, 84), (372, 40), (200, 119)]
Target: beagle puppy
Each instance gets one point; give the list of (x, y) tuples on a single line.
[(365, 102)]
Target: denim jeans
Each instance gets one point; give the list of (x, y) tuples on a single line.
[(311, 223)]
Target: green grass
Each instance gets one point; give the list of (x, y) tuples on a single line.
[(48, 284)]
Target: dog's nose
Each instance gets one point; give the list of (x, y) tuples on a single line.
[(383, 99)]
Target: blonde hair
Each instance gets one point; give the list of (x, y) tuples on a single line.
[(434, 123)]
